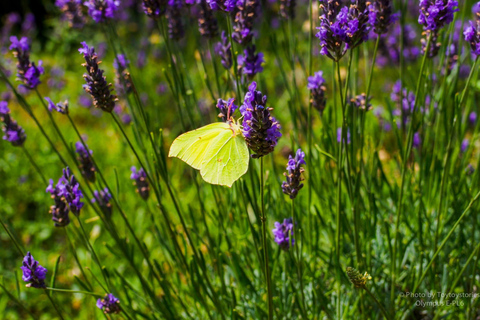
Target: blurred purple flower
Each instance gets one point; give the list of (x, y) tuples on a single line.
[(61, 107), (316, 85), (294, 174), (27, 71), (140, 180), (176, 29), (339, 135), (464, 146), (85, 161), (72, 12), (109, 304), (207, 23), (245, 14), (154, 8), (102, 198), (417, 140), (224, 50), (33, 272), (381, 16), (250, 63), (102, 10), (13, 133), (283, 234)]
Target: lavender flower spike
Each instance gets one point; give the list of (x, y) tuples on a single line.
[(123, 83), (103, 197), (176, 29), (140, 180), (381, 16), (225, 5), (224, 50), (27, 71), (85, 161), (109, 304), (250, 63), (472, 35), (33, 272), (294, 174), (207, 23), (102, 10), (13, 133), (287, 9), (154, 8), (283, 234), (245, 14), (72, 12), (96, 86), (316, 85), (260, 129)]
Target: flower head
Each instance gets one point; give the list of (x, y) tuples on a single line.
[(250, 63), (96, 86), (140, 180), (283, 234), (316, 85), (356, 278), (347, 139), (224, 50), (27, 71), (389, 48), (435, 14), (33, 272), (287, 9), (260, 129), (294, 174), (13, 133), (102, 10), (102, 198), (225, 5), (154, 8), (227, 108), (361, 102), (109, 304), (176, 29), (472, 35), (61, 107), (207, 23), (123, 83), (381, 16), (85, 161), (72, 12), (245, 13), (342, 28)]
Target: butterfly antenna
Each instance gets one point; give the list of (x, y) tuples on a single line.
[(229, 108)]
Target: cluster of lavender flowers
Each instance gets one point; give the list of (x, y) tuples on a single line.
[(224, 50), (381, 16), (109, 304), (207, 24), (389, 47), (154, 8), (292, 186), (96, 86), (102, 198), (472, 35), (72, 12), (250, 63), (140, 180), (85, 161), (123, 83), (67, 196), (13, 133), (283, 234), (434, 15), (33, 272), (176, 29), (342, 28), (102, 10), (316, 85), (61, 107), (260, 129), (27, 71), (361, 102)]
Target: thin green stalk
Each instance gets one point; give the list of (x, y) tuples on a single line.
[(75, 291), (34, 164), (382, 308), (265, 247), (54, 304), (408, 148), (298, 261)]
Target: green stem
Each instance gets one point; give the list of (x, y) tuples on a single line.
[(75, 291), (265, 247), (382, 308), (54, 304)]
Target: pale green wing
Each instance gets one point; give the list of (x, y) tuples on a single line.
[(191, 146), (225, 160)]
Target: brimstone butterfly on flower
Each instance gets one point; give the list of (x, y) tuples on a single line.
[(218, 150)]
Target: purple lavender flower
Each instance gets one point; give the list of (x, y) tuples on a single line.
[(225, 5), (28, 24), (382, 122), (287, 9), (27, 71), (123, 83), (109, 304), (472, 35), (434, 15), (362, 102), (72, 12), (103, 197), (154, 8), (13, 133), (224, 50), (102, 10), (260, 129), (469, 170), (11, 20), (250, 63), (472, 118), (342, 29), (389, 48), (85, 161), (227, 108), (96, 86), (56, 78), (316, 85), (140, 180), (61, 107), (176, 29), (381, 16), (33, 272), (245, 13), (67, 196), (283, 234), (207, 23), (464, 146), (294, 174), (339, 135), (417, 140)]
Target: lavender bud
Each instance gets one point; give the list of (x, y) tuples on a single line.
[(283, 234), (316, 85), (13, 133), (260, 129), (207, 24), (250, 63), (123, 83), (140, 180), (72, 12), (102, 10), (294, 174), (61, 107), (67, 196), (102, 198), (154, 8), (176, 30), (381, 16), (109, 304), (224, 50), (96, 86), (27, 71), (245, 14), (85, 161), (33, 272), (362, 102), (227, 108)]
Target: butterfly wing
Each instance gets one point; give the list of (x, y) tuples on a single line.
[(225, 160), (191, 146)]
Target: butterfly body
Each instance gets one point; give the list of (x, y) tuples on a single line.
[(217, 150)]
